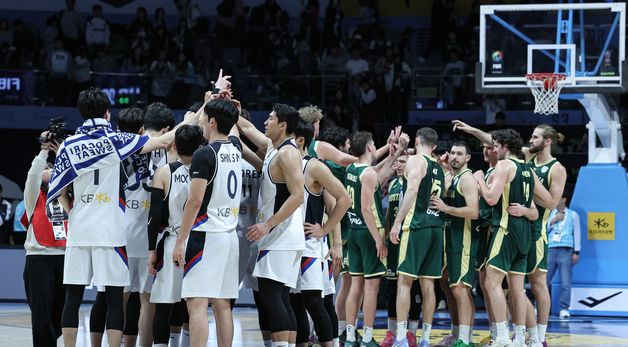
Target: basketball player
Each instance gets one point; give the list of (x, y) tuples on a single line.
[(396, 192), (552, 175), (421, 248), (320, 186), (168, 197), (367, 250), (511, 192), (321, 149), (462, 206), (90, 161), (210, 217), (279, 205)]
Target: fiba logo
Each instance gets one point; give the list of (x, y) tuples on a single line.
[(497, 57)]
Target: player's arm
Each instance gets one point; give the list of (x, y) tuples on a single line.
[(251, 157), (369, 184), (336, 248), (287, 159), (158, 194), (64, 199), (531, 213), (332, 186), (500, 175), (202, 170), (483, 136), (165, 140), (549, 199), (249, 130), (326, 151), (415, 171), (383, 169), (470, 190)]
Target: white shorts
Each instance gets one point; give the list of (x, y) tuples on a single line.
[(310, 275), (250, 281), (169, 278), (141, 280), (107, 266), (329, 286), (211, 264), (280, 266)]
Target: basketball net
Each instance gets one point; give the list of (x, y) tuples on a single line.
[(546, 88)]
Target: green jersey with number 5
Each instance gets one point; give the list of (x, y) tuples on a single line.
[(421, 215)]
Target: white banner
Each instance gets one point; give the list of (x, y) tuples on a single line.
[(599, 299)]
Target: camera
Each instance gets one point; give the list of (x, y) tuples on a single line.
[(56, 131)]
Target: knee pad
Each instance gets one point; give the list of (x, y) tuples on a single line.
[(132, 314), (177, 313), (115, 308), (98, 314), (391, 298), (261, 312), (303, 323), (316, 309), (271, 296), (161, 326), (73, 300), (331, 312)]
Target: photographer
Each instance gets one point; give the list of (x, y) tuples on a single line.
[(43, 271)]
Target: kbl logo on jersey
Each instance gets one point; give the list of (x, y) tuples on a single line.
[(227, 212), (99, 198)]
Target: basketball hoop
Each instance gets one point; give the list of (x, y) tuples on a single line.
[(545, 87)]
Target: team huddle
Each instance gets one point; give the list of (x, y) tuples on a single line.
[(167, 220)]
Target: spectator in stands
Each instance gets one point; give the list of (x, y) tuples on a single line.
[(140, 22), (6, 36), (563, 229), (160, 42), (356, 65), (442, 21), (50, 33), (70, 22), (81, 72), (97, 31), (59, 65), (160, 18), (104, 62), (184, 78), (368, 106), (19, 230), (141, 41), (453, 79), (182, 38), (335, 60), (24, 43), (5, 218), (162, 81), (332, 27), (380, 43), (493, 104), (135, 62), (500, 120), (397, 83)]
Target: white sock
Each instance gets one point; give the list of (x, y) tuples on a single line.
[(502, 331), (336, 342), (392, 325), (175, 338), (413, 326), (402, 329), (493, 331), (464, 334), (368, 334), (281, 344), (455, 330), (185, 338), (542, 329), (350, 333), (342, 326), (425, 334), (533, 333), (268, 343), (520, 334)]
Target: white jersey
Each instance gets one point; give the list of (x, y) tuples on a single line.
[(313, 209), (288, 235), (140, 169), (220, 163), (177, 195), (250, 191), (96, 217)]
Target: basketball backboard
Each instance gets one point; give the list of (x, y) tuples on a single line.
[(584, 41)]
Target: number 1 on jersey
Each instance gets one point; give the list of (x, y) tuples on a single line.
[(96, 177)]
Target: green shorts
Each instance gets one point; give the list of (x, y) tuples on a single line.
[(363, 260), (421, 252), (460, 268), (484, 241), (508, 252), (391, 260), (537, 256)]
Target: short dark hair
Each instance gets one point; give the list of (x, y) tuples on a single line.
[(244, 113), (466, 146), (195, 107), (130, 120), (187, 139), (510, 138), (359, 141), (288, 114), (224, 113), (306, 130), (93, 103), (428, 136), (336, 136), (158, 116)]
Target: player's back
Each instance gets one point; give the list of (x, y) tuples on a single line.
[(353, 184), (517, 191), (421, 215), (543, 172)]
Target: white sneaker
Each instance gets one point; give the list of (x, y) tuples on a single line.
[(501, 344), (534, 343), (564, 314), (442, 306)]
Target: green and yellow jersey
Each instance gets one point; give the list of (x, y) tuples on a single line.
[(458, 230), (354, 189), (420, 215), (543, 172), (517, 191)]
